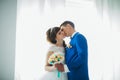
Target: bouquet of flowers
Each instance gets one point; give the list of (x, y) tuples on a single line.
[(56, 58)]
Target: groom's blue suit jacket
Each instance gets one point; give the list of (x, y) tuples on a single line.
[(77, 58)]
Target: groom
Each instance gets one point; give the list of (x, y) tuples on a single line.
[(76, 54)]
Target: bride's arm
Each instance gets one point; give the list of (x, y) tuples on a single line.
[(49, 67)]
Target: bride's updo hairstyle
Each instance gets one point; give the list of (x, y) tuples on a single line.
[(51, 35)]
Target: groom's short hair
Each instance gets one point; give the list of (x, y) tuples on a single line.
[(67, 22)]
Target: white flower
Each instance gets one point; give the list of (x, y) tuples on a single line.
[(69, 46)]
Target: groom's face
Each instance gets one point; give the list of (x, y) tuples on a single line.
[(66, 30)]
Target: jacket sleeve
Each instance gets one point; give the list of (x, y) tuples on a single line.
[(80, 56)]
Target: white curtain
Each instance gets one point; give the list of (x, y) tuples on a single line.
[(34, 17), (109, 10)]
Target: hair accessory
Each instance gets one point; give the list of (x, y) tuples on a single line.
[(51, 29)]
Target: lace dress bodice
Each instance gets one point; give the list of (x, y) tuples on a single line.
[(56, 49)]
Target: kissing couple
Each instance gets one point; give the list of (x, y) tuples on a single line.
[(66, 61)]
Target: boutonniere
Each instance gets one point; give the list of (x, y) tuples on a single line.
[(69, 46)]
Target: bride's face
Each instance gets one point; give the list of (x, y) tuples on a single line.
[(60, 35)]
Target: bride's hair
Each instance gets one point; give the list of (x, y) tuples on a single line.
[(51, 35)]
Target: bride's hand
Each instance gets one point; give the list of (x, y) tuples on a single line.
[(50, 68), (53, 68)]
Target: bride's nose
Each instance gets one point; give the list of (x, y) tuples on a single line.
[(62, 32)]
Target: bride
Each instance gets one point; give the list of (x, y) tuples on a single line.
[(55, 37)]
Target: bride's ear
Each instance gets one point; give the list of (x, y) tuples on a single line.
[(56, 39)]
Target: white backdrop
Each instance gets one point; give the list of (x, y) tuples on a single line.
[(34, 17)]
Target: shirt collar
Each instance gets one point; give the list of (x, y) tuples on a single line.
[(73, 34)]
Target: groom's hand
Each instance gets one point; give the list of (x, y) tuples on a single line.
[(60, 67)]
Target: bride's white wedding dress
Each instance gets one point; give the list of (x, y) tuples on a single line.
[(52, 75)]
